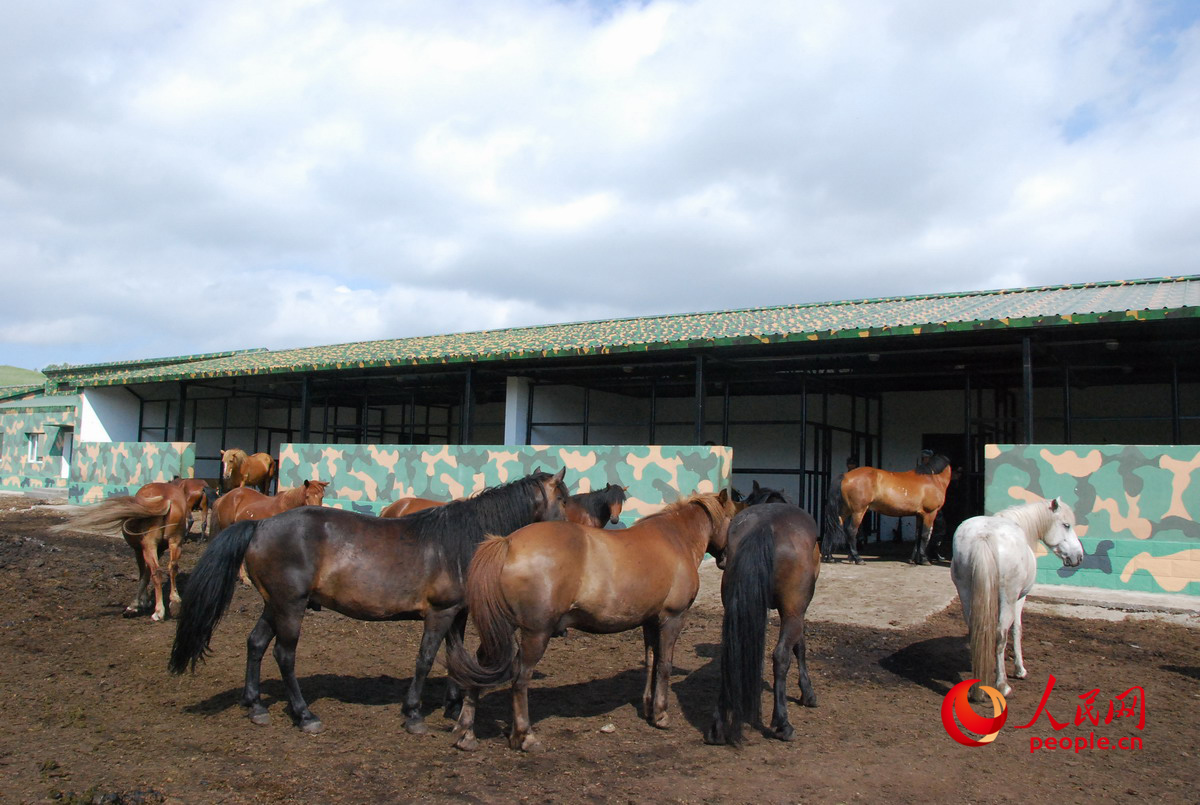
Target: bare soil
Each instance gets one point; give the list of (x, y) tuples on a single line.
[(91, 714)]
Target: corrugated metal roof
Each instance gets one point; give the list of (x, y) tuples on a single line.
[(1025, 307)]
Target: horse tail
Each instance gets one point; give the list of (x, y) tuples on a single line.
[(208, 593), (985, 610), (494, 664), (746, 595), (109, 516)]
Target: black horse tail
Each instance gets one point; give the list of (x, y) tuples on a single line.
[(493, 620), (208, 593), (746, 595)]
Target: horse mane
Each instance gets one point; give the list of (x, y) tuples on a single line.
[(454, 530), (1032, 518), (935, 466)]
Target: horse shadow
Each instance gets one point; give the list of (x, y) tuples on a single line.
[(936, 663), (376, 691)]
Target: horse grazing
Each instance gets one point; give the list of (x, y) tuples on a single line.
[(406, 506), (368, 568), (994, 568), (245, 503), (920, 492), (152, 520), (597, 508), (239, 469), (549, 577), (772, 560)]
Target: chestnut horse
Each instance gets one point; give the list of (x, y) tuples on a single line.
[(199, 496), (772, 560), (368, 568), (245, 503), (548, 577), (152, 520), (597, 508), (406, 506), (920, 492), (239, 469)]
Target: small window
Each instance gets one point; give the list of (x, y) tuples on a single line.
[(34, 453)]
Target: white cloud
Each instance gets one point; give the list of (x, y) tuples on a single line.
[(370, 170)]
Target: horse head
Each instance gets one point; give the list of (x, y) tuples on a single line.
[(554, 495), (1060, 536), (615, 497), (314, 492), (231, 459)]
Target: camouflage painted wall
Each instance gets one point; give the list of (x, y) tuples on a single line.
[(56, 425), (366, 478), (1137, 508), (104, 469)]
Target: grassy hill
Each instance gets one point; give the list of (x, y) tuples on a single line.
[(12, 376)]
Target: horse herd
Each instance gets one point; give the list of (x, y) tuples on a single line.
[(526, 561)]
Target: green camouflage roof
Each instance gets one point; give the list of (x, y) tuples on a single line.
[(1166, 297)]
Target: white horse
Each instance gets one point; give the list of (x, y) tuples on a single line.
[(994, 568)]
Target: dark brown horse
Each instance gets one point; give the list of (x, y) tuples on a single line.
[(245, 503), (152, 520), (239, 469), (406, 506), (548, 577), (771, 562), (369, 568), (920, 492), (597, 508)]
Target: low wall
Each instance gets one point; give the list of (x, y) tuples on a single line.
[(1137, 508), (106, 469), (365, 478), (55, 424)]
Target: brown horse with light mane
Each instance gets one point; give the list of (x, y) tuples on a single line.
[(239, 469), (548, 577), (152, 520), (245, 503), (920, 492)]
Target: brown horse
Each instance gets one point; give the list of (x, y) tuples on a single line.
[(198, 495), (245, 503), (406, 506), (920, 492), (597, 508), (239, 469), (771, 562), (369, 568), (548, 577), (151, 520)]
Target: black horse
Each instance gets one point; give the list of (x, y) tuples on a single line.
[(364, 567), (771, 562), (597, 508)]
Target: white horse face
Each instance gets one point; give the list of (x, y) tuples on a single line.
[(1060, 537)]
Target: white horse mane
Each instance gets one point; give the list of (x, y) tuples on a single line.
[(1034, 519)]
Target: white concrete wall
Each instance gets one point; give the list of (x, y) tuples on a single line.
[(107, 415)]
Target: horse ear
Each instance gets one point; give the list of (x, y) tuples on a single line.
[(756, 486), (558, 477), (723, 496), (1054, 504)]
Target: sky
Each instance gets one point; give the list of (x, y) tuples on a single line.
[(184, 178)]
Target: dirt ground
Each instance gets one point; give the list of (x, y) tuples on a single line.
[(91, 714)]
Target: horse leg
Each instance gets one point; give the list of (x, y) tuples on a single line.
[(437, 623), (650, 641), (1018, 659), (174, 551), (141, 599), (464, 730), (852, 535), (668, 633), (287, 635), (1006, 621), (533, 646), (256, 646), (150, 556), (920, 554), (454, 694)]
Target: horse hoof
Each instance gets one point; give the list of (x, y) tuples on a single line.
[(785, 733), (158, 616), (810, 701), (262, 719), (662, 721), (131, 612), (858, 560), (467, 743), (531, 744), (416, 726), (312, 727)]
